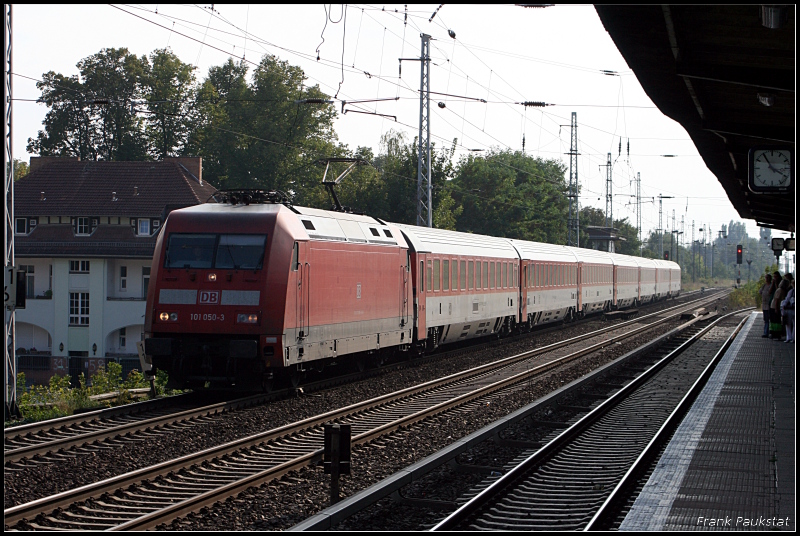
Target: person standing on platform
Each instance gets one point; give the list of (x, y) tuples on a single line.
[(775, 310), (787, 309), (765, 292)]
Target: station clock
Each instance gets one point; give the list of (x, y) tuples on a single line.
[(771, 169)]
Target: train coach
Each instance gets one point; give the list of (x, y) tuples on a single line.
[(252, 289)]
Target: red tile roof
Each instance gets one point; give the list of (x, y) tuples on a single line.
[(106, 241), (74, 188)]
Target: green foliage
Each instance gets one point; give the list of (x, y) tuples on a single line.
[(21, 168), (50, 401), (507, 193), (58, 398), (747, 295), (78, 125), (255, 135), (168, 87)]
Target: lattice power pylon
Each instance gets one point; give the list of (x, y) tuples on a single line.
[(424, 190), (573, 223), (9, 331)]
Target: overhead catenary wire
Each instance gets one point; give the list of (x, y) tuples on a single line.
[(489, 91)]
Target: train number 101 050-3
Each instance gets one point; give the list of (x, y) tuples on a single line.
[(212, 317)]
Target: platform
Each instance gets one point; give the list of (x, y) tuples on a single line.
[(731, 463)]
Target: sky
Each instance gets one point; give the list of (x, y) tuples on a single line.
[(501, 54)]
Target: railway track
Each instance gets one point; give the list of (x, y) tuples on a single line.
[(50, 441), (152, 496), (578, 479)]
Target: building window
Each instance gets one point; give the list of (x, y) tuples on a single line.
[(79, 267), (28, 269), (122, 334), (20, 225), (144, 227), (145, 280), (123, 278), (82, 226), (78, 308)]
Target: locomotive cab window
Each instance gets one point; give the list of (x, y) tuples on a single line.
[(203, 251), (190, 251), (240, 252)]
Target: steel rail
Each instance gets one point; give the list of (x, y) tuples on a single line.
[(83, 438), (565, 437), (76, 438), (17, 513), (662, 436)]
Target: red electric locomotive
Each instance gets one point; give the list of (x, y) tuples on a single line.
[(243, 290)]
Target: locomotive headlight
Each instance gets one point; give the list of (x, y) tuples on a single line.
[(173, 317), (247, 318), (168, 317), (212, 277), (164, 317)]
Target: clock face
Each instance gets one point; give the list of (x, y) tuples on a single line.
[(771, 168)]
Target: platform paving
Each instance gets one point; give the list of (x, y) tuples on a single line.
[(731, 463)]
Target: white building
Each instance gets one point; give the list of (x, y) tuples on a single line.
[(85, 234)]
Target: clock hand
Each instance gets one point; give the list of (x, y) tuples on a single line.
[(769, 164)]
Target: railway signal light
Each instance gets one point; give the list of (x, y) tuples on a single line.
[(739, 254)]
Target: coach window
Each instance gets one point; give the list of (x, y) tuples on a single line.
[(428, 284), (445, 275), (491, 275), (478, 278), (436, 275), (454, 277), (471, 275), (516, 275), (485, 274), (462, 275)]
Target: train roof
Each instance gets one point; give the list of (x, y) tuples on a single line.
[(591, 255), (666, 264), (442, 241), (537, 251), (624, 260), (346, 227)]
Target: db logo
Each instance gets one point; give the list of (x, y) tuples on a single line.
[(207, 296)]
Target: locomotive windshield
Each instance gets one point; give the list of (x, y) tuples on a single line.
[(245, 252)]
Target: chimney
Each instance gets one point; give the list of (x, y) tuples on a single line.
[(194, 164), (41, 161)]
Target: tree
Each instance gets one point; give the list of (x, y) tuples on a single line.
[(168, 87), (398, 163), (21, 168), (511, 194), (92, 115), (257, 135)]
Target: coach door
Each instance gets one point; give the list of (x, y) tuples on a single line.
[(523, 285), (422, 263), (302, 271), (405, 272)]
